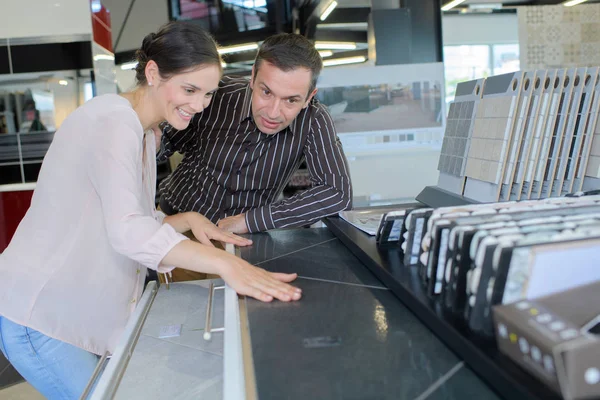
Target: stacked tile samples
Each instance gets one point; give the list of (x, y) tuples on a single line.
[(473, 257), (523, 135)]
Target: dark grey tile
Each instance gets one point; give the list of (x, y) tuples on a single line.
[(276, 243), (463, 385), (9, 376), (328, 261), (343, 342)]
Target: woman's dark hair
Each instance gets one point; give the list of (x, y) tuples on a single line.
[(288, 51), (175, 48)]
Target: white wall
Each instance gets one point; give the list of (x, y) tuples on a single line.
[(146, 16), (32, 18), (480, 29)]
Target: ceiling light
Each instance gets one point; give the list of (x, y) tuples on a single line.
[(129, 65), (452, 4), (335, 45), (63, 82), (238, 48), (107, 57), (573, 3), (328, 10), (342, 61), (326, 53)]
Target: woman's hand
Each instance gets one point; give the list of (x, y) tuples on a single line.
[(204, 231), (255, 282)]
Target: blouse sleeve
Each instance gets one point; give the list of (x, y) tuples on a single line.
[(115, 171)]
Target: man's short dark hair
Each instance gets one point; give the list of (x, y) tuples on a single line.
[(289, 51)]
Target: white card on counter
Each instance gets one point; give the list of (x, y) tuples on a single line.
[(167, 331)]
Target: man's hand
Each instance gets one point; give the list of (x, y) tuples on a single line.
[(203, 229), (235, 224)]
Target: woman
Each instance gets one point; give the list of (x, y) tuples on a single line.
[(75, 268)]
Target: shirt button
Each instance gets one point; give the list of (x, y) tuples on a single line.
[(239, 172), (138, 271), (132, 301)]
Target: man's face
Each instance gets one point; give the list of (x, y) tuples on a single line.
[(278, 96)]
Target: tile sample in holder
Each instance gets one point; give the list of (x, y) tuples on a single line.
[(590, 130), (573, 118), (520, 125), (593, 159), (575, 147), (562, 117), (494, 122), (457, 138), (551, 119)]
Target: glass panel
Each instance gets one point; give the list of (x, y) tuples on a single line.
[(506, 58), (464, 63)]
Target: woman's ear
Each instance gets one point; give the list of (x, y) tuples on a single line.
[(152, 73)]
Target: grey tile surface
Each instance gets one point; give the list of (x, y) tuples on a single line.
[(278, 243), (463, 385), (330, 260), (181, 367), (343, 342)]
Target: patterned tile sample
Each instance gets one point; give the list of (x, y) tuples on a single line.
[(514, 149), (572, 147), (590, 130), (459, 125), (551, 117), (494, 122), (558, 36), (562, 118)]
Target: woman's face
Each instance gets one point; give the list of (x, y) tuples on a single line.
[(186, 94)]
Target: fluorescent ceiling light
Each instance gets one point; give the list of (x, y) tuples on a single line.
[(238, 48), (107, 57), (452, 4), (326, 53), (129, 65), (328, 10), (335, 45), (63, 82), (342, 61), (573, 3)]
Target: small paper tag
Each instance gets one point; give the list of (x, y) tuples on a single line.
[(167, 331), (322, 341)]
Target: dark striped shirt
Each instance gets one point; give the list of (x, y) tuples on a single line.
[(230, 167)]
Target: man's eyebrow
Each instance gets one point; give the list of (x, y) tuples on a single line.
[(294, 96)]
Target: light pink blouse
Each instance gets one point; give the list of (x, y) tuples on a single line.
[(75, 267)]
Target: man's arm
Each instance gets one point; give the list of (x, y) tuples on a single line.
[(173, 140), (329, 173)]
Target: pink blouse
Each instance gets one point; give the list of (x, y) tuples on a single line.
[(75, 267)]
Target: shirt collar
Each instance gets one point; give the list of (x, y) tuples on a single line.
[(246, 112)]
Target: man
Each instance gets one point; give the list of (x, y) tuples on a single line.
[(242, 149)]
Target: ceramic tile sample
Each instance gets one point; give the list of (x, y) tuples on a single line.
[(571, 120), (540, 120), (514, 146), (459, 125), (344, 342), (582, 119), (592, 152), (493, 127), (551, 119), (562, 118)]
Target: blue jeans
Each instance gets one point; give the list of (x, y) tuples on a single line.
[(56, 369)]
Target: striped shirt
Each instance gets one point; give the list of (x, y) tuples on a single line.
[(230, 167)]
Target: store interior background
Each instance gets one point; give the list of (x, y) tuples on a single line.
[(385, 168)]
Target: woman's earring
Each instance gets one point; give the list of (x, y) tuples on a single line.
[(149, 83)]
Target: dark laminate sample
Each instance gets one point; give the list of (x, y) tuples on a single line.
[(8, 375), (278, 243), (327, 261), (343, 342)]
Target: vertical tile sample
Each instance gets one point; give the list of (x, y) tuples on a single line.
[(572, 118), (590, 162), (551, 119), (493, 127), (457, 138), (514, 145), (562, 118), (541, 119), (575, 148)]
